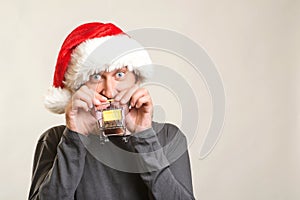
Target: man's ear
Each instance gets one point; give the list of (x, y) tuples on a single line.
[(138, 82), (137, 79)]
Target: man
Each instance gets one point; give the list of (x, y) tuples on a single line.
[(70, 162)]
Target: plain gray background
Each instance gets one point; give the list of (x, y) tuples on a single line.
[(254, 44)]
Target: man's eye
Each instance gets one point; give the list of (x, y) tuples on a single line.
[(96, 77), (120, 74)]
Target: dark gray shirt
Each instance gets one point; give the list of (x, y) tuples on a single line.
[(64, 168)]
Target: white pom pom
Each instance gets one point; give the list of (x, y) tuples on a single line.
[(57, 99)]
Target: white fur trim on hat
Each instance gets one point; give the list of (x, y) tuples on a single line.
[(106, 54), (57, 99)]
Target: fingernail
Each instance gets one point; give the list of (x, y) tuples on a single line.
[(97, 101)]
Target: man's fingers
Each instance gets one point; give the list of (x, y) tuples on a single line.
[(83, 96), (89, 96), (77, 104), (144, 100), (87, 90), (102, 106), (141, 92), (127, 96), (119, 96), (98, 99)]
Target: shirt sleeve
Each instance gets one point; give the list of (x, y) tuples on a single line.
[(167, 178), (58, 168)]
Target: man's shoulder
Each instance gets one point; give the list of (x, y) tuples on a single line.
[(167, 132), (53, 134)]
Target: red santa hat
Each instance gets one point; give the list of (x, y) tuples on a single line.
[(88, 49)]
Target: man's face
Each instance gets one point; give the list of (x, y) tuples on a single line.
[(111, 83)]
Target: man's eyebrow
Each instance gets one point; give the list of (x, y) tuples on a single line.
[(123, 69)]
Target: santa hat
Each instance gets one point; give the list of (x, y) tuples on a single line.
[(89, 49)]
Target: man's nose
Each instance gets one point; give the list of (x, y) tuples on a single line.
[(108, 89)]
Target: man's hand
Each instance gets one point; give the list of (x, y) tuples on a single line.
[(139, 117), (80, 116)]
